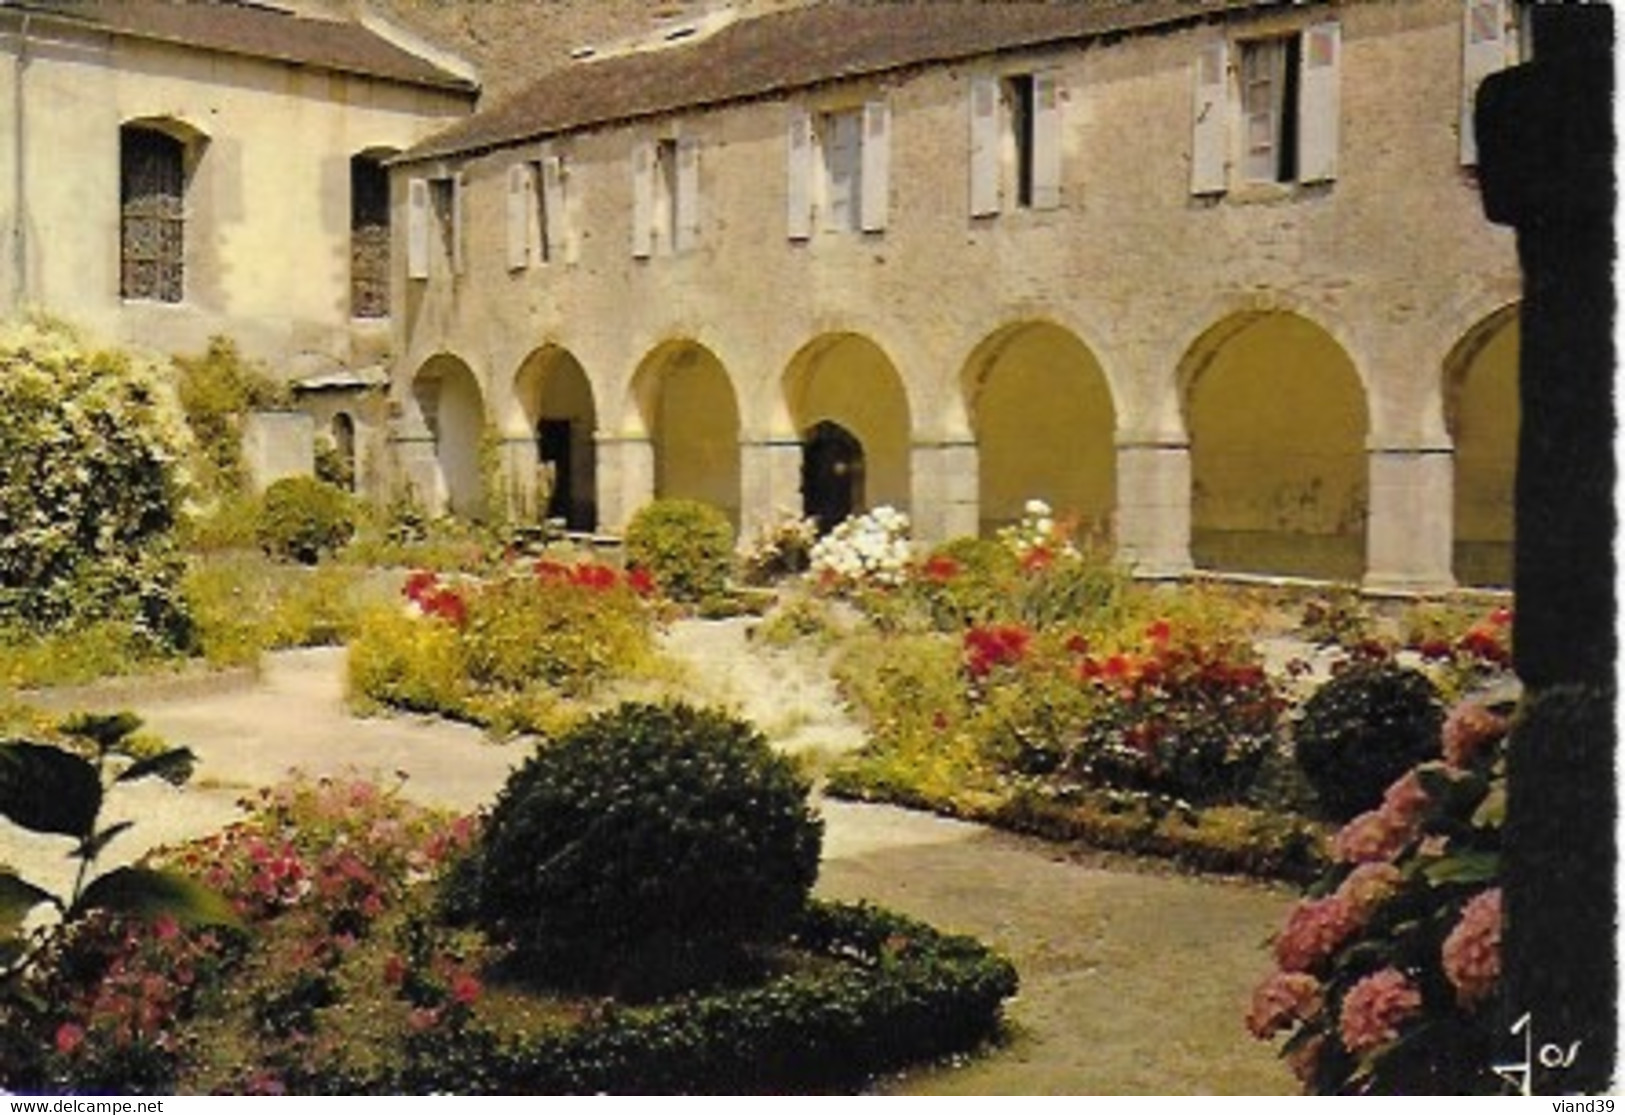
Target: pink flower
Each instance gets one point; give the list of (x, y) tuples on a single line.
[(1281, 1001), (69, 1036), (394, 970), (1468, 729), (465, 989), (1472, 951), (1369, 838), (1375, 1007), (1405, 801), (1313, 931), (1306, 1058), (1368, 886)]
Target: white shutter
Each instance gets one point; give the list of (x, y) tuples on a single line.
[(554, 224), (459, 195), (417, 228), (1210, 132), (688, 193), (1319, 102), (521, 201), (984, 145), (876, 177), (643, 196), (1047, 141), (1483, 52), (799, 174)]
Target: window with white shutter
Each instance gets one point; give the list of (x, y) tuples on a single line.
[(799, 174), (1319, 102), (1485, 48), (1269, 109), (521, 206), (687, 203), (1044, 154), (1210, 123), (553, 229), (842, 146), (417, 228), (643, 198), (984, 145), (875, 176)]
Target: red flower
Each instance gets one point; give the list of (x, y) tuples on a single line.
[(1158, 631), (69, 1036), (465, 989), (419, 585), (987, 647), (940, 568), (640, 581), (1501, 617), (1077, 644), (552, 571), (598, 578), (394, 970), (1037, 559)]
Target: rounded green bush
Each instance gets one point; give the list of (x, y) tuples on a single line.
[(301, 518), (687, 546), (1363, 729), (647, 830)]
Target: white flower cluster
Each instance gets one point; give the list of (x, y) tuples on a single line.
[(871, 548), (1037, 531), (780, 547)]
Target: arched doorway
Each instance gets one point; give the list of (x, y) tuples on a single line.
[(688, 408), (1276, 416), (343, 434), (1045, 424), (448, 398), (1482, 414), (832, 474), (845, 396), (557, 399)]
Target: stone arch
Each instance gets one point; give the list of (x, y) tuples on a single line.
[(685, 400), (447, 397), (1481, 415), (1277, 419), (848, 380), (561, 422), (1042, 412)]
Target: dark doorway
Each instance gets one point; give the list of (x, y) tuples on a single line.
[(554, 445), (831, 474)]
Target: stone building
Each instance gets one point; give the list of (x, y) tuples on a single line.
[(173, 171), (1209, 276)]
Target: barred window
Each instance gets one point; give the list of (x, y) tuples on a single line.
[(152, 214), (369, 238)]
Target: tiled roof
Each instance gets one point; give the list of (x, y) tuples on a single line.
[(248, 29), (797, 48)]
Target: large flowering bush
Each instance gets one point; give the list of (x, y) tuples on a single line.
[(503, 651), (868, 549), (779, 548), (93, 445), (1387, 972)]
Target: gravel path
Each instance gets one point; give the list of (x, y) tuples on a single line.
[(1133, 982)]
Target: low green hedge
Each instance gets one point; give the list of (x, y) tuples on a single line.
[(897, 993)]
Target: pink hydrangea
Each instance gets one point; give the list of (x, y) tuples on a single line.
[(1472, 951), (1282, 1000), (1370, 838), (1468, 729), (1314, 929), (1368, 886), (1405, 802), (1375, 1007)]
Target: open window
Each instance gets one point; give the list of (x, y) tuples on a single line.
[(839, 169), (1015, 143), (434, 241), (1267, 111), (369, 237)]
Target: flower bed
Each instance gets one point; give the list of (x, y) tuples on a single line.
[(507, 651), (344, 978)]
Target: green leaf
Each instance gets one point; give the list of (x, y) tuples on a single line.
[(91, 848), (47, 789), (17, 897), (105, 730), (1465, 867), (173, 766), (1492, 811), (149, 894)]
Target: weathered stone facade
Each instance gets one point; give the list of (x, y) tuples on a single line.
[(1221, 354)]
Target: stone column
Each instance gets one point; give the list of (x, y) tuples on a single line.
[(626, 478), (1154, 507), (769, 481), (417, 465), (944, 490), (519, 487), (1410, 525)]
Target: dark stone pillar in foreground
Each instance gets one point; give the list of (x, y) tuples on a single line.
[(1545, 133)]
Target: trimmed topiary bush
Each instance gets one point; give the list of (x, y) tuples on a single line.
[(1361, 730), (302, 518), (685, 545), (651, 841)]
